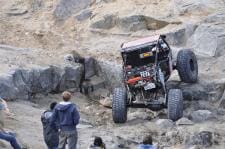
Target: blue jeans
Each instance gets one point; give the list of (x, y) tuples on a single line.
[(10, 138)]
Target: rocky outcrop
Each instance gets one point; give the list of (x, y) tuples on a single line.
[(131, 23), (140, 22), (182, 7), (24, 84)]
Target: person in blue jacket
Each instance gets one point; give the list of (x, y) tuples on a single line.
[(66, 116), (147, 143)]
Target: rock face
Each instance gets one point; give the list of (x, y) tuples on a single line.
[(24, 84), (66, 8)]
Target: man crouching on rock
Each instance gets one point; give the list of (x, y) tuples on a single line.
[(66, 116)]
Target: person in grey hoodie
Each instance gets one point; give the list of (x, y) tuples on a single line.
[(66, 116)]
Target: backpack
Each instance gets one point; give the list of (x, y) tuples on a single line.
[(51, 136)]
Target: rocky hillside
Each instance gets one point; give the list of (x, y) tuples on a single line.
[(36, 35)]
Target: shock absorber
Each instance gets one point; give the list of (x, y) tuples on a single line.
[(162, 79)]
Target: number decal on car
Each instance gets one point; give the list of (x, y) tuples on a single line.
[(145, 74)]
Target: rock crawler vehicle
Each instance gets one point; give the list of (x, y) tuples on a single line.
[(147, 65)]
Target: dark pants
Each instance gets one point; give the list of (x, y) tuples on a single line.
[(10, 138), (69, 137), (53, 147)]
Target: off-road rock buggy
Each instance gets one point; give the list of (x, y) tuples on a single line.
[(147, 65)]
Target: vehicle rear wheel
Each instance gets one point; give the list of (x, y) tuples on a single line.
[(187, 66), (119, 105), (175, 104)]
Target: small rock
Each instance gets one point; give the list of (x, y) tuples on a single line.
[(165, 123), (106, 102), (17, 12), (144, 115), (184, 121), (69, 57), (123, 143), (201, 115)]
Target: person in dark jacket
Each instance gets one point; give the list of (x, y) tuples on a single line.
[(51, 136), (66, 117), (147, 143), (98, 144)]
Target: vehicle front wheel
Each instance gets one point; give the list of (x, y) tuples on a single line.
[(187, 66), (119, 105), (175, 104)]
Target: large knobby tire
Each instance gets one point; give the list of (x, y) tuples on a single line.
[(175, 104), (187, 66), (119, 105)]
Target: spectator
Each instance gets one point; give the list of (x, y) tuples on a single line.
[(51, 136), (147, 143), (67, 117), (7, 136), (98, 144)]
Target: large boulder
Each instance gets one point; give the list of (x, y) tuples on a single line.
[(180, 36), (206, 90), (208, 40), (112, 72), (65, 8), (7, 89), (71, 77)]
